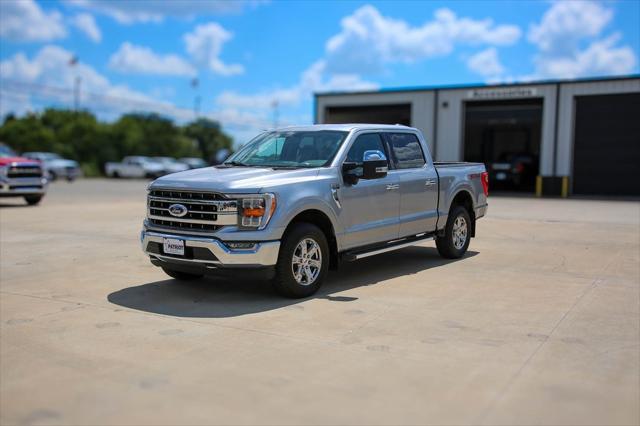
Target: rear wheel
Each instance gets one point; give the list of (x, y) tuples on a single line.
[(32, 200), (115, 175), (457, 234), (181, 276), (303, 261)]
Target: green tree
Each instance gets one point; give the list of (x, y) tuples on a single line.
[(209, 137), (80, 136)]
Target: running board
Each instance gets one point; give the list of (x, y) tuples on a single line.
[(354, 255)]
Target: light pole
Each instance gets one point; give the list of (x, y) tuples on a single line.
[(76, 84)]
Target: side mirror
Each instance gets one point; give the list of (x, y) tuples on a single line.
[(374, 165), (349, 172)]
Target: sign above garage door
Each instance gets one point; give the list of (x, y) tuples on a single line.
[(502, 93)]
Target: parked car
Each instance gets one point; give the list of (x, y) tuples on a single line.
[(135, 166), (297, 201), (56, 166), (193, 162), (21, 177), (515, 171), (171, 165)]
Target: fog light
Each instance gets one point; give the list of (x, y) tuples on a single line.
[(240, 245)]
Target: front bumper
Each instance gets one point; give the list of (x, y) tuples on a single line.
[(210, 252), (15, 187)]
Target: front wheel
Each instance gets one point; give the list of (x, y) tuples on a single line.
[(181, 276), (457, 234), (303, 261), (32, 200)]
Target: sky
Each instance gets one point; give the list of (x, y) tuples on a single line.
[(254, 64)]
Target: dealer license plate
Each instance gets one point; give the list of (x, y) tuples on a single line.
[(173, 246)]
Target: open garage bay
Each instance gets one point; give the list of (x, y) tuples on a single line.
[(538, 324)]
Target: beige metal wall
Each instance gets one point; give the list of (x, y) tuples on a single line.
[(449, 142)]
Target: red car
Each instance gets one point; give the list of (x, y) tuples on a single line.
[(21, 177)]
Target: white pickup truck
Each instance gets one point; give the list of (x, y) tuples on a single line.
[(135, 167)]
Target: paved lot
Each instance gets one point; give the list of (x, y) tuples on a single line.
[(538, 324)]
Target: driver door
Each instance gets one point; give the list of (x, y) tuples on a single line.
[(370, 208)]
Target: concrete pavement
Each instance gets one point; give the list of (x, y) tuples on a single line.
[(538, 324)]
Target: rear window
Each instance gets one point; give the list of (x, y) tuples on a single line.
[(406, 150)]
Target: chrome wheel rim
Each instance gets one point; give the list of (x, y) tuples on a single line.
[(459, 232), (306, 262)]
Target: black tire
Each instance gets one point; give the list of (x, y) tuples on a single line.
[(53, 176), (115, 175), (32, 200), (285, 282), (448, 245), (181, 276)]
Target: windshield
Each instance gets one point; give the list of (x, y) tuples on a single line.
[(289, 149)]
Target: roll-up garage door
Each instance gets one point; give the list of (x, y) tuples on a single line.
[(606, 156)]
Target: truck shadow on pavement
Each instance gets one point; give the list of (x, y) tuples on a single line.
[(215, 297)]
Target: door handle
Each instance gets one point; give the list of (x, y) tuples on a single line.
[(392, 186), (430, 182)]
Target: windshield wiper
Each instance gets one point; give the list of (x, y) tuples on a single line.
[(235, 163)]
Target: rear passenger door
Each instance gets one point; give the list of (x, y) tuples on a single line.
[(418, 184), (369, 211)]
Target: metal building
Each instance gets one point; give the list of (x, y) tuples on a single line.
[(553, 137)]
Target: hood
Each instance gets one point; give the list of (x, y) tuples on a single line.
[(5, 161), (234, 179)]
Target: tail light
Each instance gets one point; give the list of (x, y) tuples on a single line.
[(484, 178), (519, 168)]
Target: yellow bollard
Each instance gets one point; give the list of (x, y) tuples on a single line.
[(565, 186), (538, 186)]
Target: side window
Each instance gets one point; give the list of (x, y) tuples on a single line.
[(406, 150), (364, 143)]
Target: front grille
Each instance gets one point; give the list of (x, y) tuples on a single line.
[(183, 226), (24, 171), (205, 211), (187, 195)]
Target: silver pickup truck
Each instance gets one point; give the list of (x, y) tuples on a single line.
[(294, 202)]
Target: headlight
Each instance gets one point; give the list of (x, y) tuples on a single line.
[(255, 211)]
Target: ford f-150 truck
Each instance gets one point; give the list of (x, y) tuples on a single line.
[(297, 201)]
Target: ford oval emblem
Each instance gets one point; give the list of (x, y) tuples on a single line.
[(178, 210)]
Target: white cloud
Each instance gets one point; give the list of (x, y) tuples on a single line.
[(487, 64), (48, 78), (25, 21), (130, 58), (369, 40), (87, 24), (205, 43), (570, 43), (601, 58), (566, 23), (313, 79), (131, 11)]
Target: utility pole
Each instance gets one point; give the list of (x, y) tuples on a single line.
[(76, 93), (195, 83), (76, 84)]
